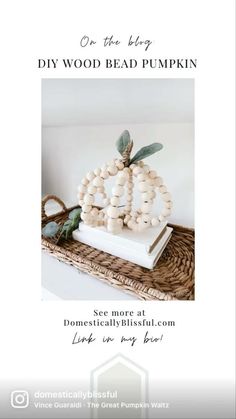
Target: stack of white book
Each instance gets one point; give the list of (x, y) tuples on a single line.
[(142, 248)]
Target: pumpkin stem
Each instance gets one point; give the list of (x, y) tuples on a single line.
[(126, 154)]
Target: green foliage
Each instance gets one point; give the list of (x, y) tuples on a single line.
[(50, 229), (75, 214), (67, 229), (71, 224), (123, 141), (146, 151)]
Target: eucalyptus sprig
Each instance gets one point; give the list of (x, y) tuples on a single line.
[(124, 145), (56, 231)]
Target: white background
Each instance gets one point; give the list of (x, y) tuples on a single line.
[(35, 346)]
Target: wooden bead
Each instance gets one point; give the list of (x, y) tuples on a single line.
[(135, 227), (146, 218), (142, 226), (104, 174), (152, 174), (127, 218), (158, 181), (101, 215), (86, 208), (146, 168), (123, 175), (104, 167), (100, 189), (93, 222), (127, 209), (127, 171), (143, 187), (113, 212), (130, 224), (154, 221), (141, 163), (117, 190), (150, 181), (112, 222), (115, 201), (85, 216), (146, 208), (130, 185), (152, 194), (112, 170), (166, 196), (109, 227), (90, 176), (169, 204), (95, 212), (119, 165), (80, 195), (98, 181), (97, 171), (146, 196), (106, 202), (136, 170), (120, 222), (162, 189), (121, 180), (92, 190), (82, 188), (81, 202), (129, 198), (88, 199), (114, 226), (166, 212), (85, 181), (161, 218), (142, 177)]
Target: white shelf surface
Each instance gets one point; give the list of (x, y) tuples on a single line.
[(64, 282)]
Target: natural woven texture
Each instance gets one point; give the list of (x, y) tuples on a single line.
[(126, 154), (171, 279)]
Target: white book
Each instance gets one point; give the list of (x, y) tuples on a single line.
[(143, 241), (136, 254)]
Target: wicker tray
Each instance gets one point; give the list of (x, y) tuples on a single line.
[(171, 279)]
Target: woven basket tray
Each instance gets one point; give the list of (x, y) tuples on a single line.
[(171, 279)]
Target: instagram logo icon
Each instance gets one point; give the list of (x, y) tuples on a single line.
[(20, 399)]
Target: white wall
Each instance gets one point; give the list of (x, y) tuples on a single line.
[(67, 102), (71, 151)]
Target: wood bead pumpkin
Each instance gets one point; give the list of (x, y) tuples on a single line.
[(125, 170)]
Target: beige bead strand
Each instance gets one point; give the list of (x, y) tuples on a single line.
[(111, 216)]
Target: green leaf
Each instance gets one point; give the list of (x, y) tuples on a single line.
[(50, 229), (146, 151), (75, 214), (72, 223), (123, 141), (67, 228)]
